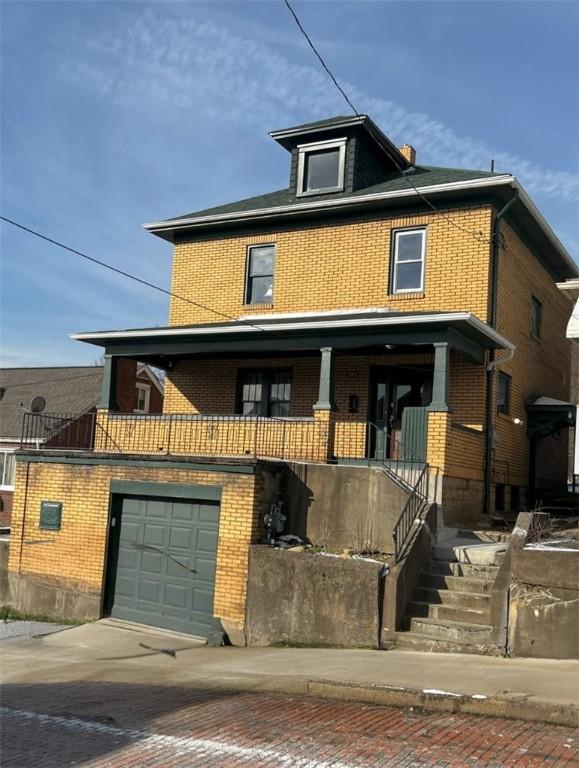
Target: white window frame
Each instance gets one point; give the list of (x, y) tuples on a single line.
[(397, 234), (4, 486), (304, 150), (146, 388)]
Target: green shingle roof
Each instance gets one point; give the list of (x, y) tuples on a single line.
[(423, 176)]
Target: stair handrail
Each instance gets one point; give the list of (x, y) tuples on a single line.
[(403, 526)]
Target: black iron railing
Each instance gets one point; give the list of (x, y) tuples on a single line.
[(410, 516), (63, 430)]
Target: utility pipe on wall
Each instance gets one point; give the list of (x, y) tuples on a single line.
[(495, 252)]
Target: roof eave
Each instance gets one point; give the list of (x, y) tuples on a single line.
[(351, 201)]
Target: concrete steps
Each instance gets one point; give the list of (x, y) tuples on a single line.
[(450, 609)]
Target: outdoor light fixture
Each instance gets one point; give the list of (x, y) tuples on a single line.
[(517, 421)]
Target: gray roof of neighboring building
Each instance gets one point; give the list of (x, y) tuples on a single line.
[(68, 389)]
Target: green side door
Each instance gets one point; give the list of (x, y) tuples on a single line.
[(164, 574)]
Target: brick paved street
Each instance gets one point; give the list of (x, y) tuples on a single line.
[(115, 725)]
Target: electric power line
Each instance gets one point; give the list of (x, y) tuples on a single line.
[(478, 236)]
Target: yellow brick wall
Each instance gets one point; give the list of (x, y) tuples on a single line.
[(326, 267), (76, 553), (539, 367)]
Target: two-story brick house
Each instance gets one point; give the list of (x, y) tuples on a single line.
[(374, 312)]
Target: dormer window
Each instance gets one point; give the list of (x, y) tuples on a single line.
[(321, 167)]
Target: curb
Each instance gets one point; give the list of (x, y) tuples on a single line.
[(516, 707)]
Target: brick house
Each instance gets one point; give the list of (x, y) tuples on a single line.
[(373, 313), (62, 390)]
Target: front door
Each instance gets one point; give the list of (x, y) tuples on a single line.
[(392, 390)]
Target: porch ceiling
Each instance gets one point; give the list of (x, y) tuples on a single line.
[(298, 334)]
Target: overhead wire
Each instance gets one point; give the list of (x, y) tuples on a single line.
[(478, 236)]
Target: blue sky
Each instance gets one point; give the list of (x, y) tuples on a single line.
[(114, 114)]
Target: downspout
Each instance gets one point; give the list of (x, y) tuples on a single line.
[(495, 252)]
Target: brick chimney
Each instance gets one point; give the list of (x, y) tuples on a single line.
[(409, 153)]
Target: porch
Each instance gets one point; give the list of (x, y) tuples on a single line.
[(352, 386)]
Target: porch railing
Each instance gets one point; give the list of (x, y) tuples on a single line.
[(410, 515), (292, 439), (180, 434)]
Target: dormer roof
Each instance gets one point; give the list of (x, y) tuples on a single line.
[(361, 126)]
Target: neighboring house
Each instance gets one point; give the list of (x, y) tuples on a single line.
[(346, 319), (63, 391), (570, 288)]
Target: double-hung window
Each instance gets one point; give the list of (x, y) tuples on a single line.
[(264, 392), (504, 393), (408, 256), (321, 167), (536, 317), (260, 269), (7, 467), (143, 397)]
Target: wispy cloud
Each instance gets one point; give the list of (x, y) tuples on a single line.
[(190, 62)]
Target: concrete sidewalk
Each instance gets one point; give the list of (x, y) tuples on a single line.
[(528, 689)]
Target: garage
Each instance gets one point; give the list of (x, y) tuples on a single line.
[(163, 560)]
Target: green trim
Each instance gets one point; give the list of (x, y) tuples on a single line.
[(440, 379), (109, 384), (171, 490), (239, 469)]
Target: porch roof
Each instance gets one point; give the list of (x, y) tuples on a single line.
[(299, 333)]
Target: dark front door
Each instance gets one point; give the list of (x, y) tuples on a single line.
[(164, 573), (391, 391)]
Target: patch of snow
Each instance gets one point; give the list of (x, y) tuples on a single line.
[(436, 692)]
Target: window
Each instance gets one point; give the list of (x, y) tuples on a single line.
[(536, 317), (7, 467), (408, 261), (260, 266), (143, 397), (264, 393), (321, 167), (504, 393), (499, 497)]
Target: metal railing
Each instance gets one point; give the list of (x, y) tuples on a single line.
[(59, 431), (180, 434), (410, 514)]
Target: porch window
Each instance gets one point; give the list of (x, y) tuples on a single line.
[(504, 393), (408, 261), (260, 267), (264, 393)]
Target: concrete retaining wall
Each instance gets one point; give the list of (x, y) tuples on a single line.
[(342, 506), (50, 597), (544, 604), (302, 598)]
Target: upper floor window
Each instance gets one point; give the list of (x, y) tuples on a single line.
[(260, 267), (143, 397), (7, 467), (536, 317), (408, 260), (321, 167), (504, 393), (264, 393)]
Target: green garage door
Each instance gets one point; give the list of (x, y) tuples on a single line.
[(165, 569)]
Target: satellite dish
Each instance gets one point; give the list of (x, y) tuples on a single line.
[(38, 404)]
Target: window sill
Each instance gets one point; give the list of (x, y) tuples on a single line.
[(257, 304), (403, 296), (7, 488)]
